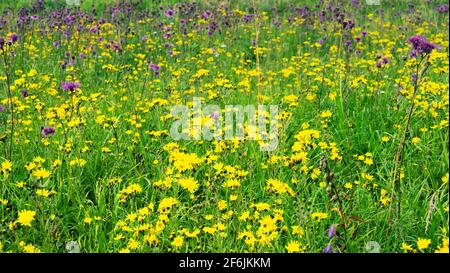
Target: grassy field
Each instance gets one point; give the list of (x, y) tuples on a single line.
[(88, 163)]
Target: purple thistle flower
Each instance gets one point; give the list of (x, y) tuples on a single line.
[(331, 231), (24, 93), (248, 17), (420, 46), (155, 68), (442, 8), (70, 86), (13, 38), (46, 131), (348, 24), (214, 115), (169, 13), (327, 249), (414, 77), (116, 47), (206, 14), (383, 62)]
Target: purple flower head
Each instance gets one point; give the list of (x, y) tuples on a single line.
[(2, 108), (214, 115), (415, 40), (348, 24), (116, 47), (46, 131), (248, 17), (2, 42), (13, 38), (442, 8), (355, 3), (24, 93), (414, 77), (382, 62), (82, 55), (66, 34), (70, 86), (327, 249), (420, 46), (331, 231), (155, 68), (206, 14), (364, 33), (169, 13)]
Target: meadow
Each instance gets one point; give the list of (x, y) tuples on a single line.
[(88, 163)]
